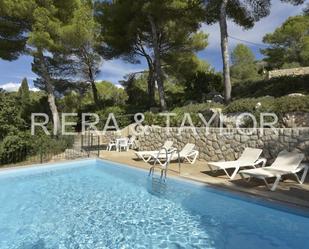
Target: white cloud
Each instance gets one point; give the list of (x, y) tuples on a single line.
[(115, 70), (34, 89), (119, 86), (10, 87), (13, 87)]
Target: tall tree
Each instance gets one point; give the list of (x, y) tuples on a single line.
[(289, 44), (243, 64), (44, 40), (24, 93), (24, 101), (242, 12), (151, 29), (82, 37), (36, 23)]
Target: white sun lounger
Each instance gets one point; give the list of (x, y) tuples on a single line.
[(187, 153), (286, 163), (146, 156), (249, 158)]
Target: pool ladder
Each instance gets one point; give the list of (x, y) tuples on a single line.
[(164, 165)]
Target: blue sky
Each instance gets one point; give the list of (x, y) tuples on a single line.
[(11, 73)]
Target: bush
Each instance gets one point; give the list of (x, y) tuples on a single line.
[(249, 105), (192, 109), (279, 106), (17, 147), (13, 147), (291, 104), (275, 87), (122, 118)]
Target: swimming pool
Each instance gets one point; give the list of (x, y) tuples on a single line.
[(97, 204)]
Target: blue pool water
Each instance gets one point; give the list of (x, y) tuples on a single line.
[(96, 204)]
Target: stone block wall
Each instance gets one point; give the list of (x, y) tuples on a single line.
[(216, 146), (288, 72)]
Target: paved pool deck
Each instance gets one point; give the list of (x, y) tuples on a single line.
[(288, 191)]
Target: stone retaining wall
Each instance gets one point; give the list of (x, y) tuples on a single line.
[(215, 146), (288, 72)]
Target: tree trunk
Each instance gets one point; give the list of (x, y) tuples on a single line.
[(51, 97), (225, 52), (157, 63), (151, 83), (54, 111), (95, 93), (93, 86)]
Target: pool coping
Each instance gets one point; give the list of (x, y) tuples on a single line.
[(226, 189)]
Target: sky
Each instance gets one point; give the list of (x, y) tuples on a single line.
[(11, 73)]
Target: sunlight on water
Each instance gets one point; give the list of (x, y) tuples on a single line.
[(107, 206)]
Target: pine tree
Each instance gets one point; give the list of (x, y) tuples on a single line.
[(153, 30), (243, 66), (24, 93)]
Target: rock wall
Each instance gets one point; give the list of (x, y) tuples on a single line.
[(216, 145), (288, 72), (296, 119)]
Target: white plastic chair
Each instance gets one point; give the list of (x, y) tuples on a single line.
[(111, 144), (131, 142), (122, 143)]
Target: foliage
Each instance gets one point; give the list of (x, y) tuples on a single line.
[(23, 92), (18, 146), (81, 38), (201, 84), (243, 66), (256, 106), (176, 120), (159, 31), (10, 120), (136, 88), (275, 87), (175, 93), (108, 93), (289, 43), (244, 13), (249, 105), (12, 146), (122, 118)]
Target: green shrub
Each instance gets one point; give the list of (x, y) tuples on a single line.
[(250, 104), (122, 118), (13, 147), (154, 119), (192, 109), (291, 104), (275, 87)]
